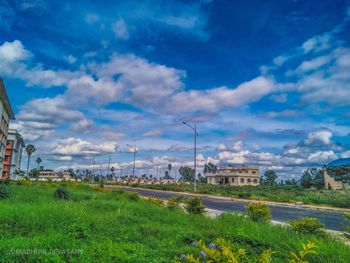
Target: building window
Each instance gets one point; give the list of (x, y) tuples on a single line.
[(254, 172), (255, 180), (249, 181), (242, 180), (232, 180)]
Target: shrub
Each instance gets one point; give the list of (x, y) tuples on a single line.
[(195, 205), (4, 191), (258, 212), (155, 201), (307, 225), (174, 202), (225, 251), (133, 196), (62, 193)]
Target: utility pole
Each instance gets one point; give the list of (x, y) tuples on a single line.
[(194, 128), (109, 164), (134, 149)]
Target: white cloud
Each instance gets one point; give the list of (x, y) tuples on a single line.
[(313, 64), (120, 29), (213, 100), (13, 52), (153, 133), (82, 126), (79, 147), (318, 138)]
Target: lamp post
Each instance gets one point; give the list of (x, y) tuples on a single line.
[(134, 149), (194, 128)]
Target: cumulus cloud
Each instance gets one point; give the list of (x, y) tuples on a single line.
[(78, 147), (12, 52), (318, 138)]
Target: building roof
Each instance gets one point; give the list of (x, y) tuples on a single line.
[(239, 168), (18, 136), (5, 99)]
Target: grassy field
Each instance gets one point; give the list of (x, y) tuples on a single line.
[(283, 193), (95, 226)]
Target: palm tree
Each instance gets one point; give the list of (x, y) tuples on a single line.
[(38, 161), (30, 149)]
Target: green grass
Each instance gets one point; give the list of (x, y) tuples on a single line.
[(119, 227), (284, 193)]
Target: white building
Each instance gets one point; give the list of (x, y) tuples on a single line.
[(15, 141), (235, 176), (6, 114), (48, 175)]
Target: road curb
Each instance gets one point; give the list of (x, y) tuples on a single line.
[(313, 207)]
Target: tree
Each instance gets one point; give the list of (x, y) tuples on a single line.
[(169, 169), (312, 177), (306, 179), (38, 161), (210, 168), (30, 149), (167, 175), (187, 173), (112, 170), (270, 177)]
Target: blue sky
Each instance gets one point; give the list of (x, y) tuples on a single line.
[(266, 82)]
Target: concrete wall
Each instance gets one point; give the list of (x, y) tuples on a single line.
[(330, 183)]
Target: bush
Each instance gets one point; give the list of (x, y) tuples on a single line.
[(62, 193), (195, 205), (4, 191), (258, 212), (224, 251), (133, 196), (307, 225), (174, 202)]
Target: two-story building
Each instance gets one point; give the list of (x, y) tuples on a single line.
[(235, 176), (6, 114)]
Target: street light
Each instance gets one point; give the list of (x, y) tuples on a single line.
[(134, 149), (194, 128)]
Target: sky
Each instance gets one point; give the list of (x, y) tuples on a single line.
[(266, 82)]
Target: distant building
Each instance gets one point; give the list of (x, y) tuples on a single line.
[(6, 114), (235, 176), (13, 154), (49, 175)]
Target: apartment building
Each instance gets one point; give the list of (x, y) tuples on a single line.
[(235, 176), (13, 154), (6, 114)]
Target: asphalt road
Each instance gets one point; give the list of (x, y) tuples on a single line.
[(333, 220)]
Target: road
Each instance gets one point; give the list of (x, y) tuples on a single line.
[(333, 220)]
